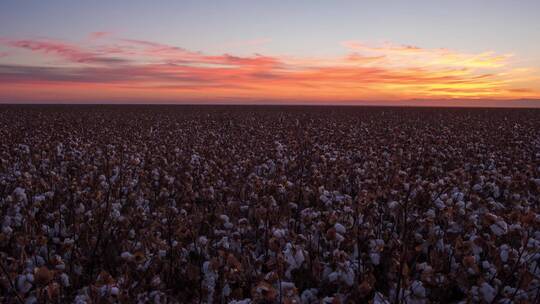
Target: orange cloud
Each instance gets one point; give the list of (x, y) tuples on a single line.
[(128, 69), (413, 55)]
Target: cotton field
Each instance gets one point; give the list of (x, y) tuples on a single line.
[(200, 204)]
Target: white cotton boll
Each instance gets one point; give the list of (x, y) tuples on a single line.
[(209, 280), (430, 213), (224, 218), (499, 228), (244, 301), (340, 228), (64, 279), (309, 296), (156, 280), (80, 209), (243, 221), (299, 257), (7, 230), (347, 276), (279, 233), (203, 240), (115, 291), (287, 285), (477, 187), (325, 199), (439, 203), (22, 284), (294, 258), (226, 291), (418, 289), (393, 205), (126, 255), (379, 298), (487, 292), (333, 276), (39, 198), (81, 299), (406, 186), (224, 242), (504, 253), (327, 300), (339, 238), (20, 194), (228, 225), (375, 258)]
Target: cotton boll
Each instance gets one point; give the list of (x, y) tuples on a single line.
[(487, 292), (504, 253), (375, 258), (23, 285), (333, 276), (340, 228), (64, 279), (244, 301), (309, 296), (60, 266), (7, 230), (228, 225), (439, 203), (31, 300), (80, 209), (347, 276), (430, 213), (20, 195), (39, 198), (379, 298), (393, 205), (203, 240), (115, 291), (499, 228), (279, 233), (126, 256), (418, 289)]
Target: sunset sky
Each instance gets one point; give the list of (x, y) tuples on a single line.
[(320, 52)]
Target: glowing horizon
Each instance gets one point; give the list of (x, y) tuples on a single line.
[(108, 66)]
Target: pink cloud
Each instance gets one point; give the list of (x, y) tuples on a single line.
[(127, 66), (70, 52), (62, 49), (98, 35)]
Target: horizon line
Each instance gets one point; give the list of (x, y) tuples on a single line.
[(412, 103)]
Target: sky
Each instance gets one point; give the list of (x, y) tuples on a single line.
[(316, 52)]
